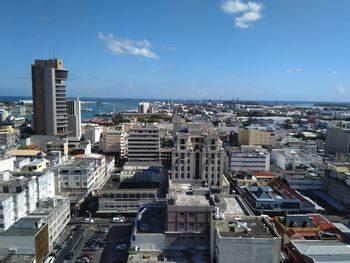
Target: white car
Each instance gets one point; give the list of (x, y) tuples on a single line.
[(121, 247), (119, 219), (89, 220)]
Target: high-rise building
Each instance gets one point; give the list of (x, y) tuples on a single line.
[(74, 118), (49, 97), (198, 157), (144, 143)]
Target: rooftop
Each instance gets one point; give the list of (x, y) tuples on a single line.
[(247, 227), (326, 251)]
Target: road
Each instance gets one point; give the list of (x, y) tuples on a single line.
[(71, 244), (118, 234)]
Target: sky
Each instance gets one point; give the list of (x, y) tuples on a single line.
[(181, 49)]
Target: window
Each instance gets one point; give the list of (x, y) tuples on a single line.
[(182, 215), (191, 215)]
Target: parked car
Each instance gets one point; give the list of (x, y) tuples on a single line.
[(90, 248), (121, 247), (89, 220), (119, 219)]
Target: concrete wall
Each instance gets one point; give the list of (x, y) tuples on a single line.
[(244, 250), (147, 241)]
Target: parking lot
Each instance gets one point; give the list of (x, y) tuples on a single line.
[(97, 241)]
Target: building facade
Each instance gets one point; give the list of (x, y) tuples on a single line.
[(49, 97), (144, 143), (198, 156), (74, 118), (252, 158)]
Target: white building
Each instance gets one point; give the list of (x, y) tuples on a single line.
[(55, 212), (289, 159), (92, 133), (74, 118), (84, 173), (143, 107), (252, 158), (245, 239), (7, 163), (21, 194), (144, 143)]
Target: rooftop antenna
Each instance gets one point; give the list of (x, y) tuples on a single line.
[(53, 47)]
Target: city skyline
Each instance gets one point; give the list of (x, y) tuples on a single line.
[(260, 50)]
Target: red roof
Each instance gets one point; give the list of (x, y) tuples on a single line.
[(264, 174)]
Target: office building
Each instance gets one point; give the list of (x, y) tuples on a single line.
[(338, 140), (49, 97), (252, 158), (144, 143), (114, 141), (198, 156), (257, 135), (74, 118)]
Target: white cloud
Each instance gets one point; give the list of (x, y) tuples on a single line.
[(246, 12), (123, 46), (340, 88), (334, 72), (228, 76)]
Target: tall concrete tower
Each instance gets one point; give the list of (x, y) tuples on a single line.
[(74, 118), (49, 97)]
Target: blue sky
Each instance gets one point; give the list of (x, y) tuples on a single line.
[(265, 50)]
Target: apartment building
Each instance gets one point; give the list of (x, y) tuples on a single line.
[(92, 133), (21, 194), (257, 135), (58, 145), (198, 156)]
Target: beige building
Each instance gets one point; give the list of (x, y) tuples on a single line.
[(58, 145), (199, 157), (9, 135), (114, 141), (257, 136)]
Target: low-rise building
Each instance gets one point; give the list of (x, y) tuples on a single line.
[(290, 159), (257, 135), (57, 145), (251, 158), (189, 215), (245, 239), (55, 212), (9, 136), (29, 236)]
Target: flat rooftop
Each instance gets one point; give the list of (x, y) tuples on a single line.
[(15, 258), (232, 207), (326, 251), (113, 184), (258, 228)]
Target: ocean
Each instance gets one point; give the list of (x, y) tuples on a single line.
[(92, 106)]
